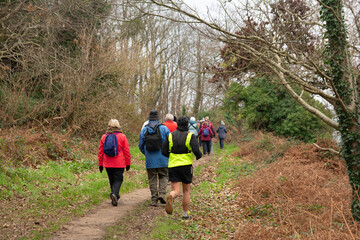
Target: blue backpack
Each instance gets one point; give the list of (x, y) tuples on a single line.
[(205, 132), (111, 145)]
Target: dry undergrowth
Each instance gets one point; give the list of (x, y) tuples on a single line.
[(304, 194), (33, 147)]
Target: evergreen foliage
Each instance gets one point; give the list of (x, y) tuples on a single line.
[(348, 110), (268, 107)]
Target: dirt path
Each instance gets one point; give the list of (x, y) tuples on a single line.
[(96, 221)]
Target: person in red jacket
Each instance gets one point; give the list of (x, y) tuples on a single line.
[(169, 122), (205, 138), (116, 164), (212, 130)]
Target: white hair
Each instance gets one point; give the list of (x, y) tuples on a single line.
[(169, 116), (114, 123)]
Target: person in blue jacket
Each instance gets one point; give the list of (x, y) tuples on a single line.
[(156, 163), (221, 133), (193, 127)]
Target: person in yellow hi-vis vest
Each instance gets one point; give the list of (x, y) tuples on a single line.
[(178, 147)]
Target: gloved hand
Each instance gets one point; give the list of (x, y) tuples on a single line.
[(127, 167), (101, 168)]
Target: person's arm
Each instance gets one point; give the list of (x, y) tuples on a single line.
[(164, 131), (126, 150), (142, 141), (212, 129), (218, 129), (165, 148), (195, 147), (225, 130), (101, 151)]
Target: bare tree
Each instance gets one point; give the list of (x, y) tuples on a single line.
[(286, 40)]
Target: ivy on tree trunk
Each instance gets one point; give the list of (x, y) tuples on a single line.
[(339, 68)]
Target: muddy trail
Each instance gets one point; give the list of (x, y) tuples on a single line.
[(95, 223)]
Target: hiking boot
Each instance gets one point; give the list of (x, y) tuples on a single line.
[(114, 200), (188, 217), (162, 200), (153, 203), (168, 206)]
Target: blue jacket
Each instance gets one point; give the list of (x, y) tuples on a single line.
[(221, 131), (193, 128), (154, 159)]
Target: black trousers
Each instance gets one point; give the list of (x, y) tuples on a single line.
[(206, 147), (116, 178), (222, 143)]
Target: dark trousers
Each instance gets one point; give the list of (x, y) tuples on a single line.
[(206, 147), (222, 142), (200, 143), (116, 177)]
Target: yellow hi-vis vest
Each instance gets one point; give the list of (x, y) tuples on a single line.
[(176, 160)]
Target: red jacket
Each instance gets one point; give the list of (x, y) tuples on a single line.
[(208, 137), (122, 160), (171, 125)]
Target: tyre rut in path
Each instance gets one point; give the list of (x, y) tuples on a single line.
[(96, 221)]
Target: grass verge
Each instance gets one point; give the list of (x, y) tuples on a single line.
[(36, 202)]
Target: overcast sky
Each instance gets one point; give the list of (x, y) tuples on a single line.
[(202, 5)]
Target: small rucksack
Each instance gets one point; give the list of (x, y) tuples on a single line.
[(111, 145), (205, 132), (153, 140)]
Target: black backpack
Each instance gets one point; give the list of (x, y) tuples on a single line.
[(153, 140)]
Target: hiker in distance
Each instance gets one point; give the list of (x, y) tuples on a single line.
[(221, 133), (201, 122), (193, 126), (179, 147), (169, 122), (207, 119), (114, 155), (151, 139), (206, 134)]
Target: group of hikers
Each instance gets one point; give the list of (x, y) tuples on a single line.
[(168, 148)]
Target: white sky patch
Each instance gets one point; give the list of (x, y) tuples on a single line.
[(203, 7)]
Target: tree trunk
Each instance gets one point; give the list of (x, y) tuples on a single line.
[(345, 86), (198, 97)]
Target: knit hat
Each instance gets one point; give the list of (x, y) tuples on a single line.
[(183, 121), (169, 117), (192, 119), (153, 115), (222, 123)]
